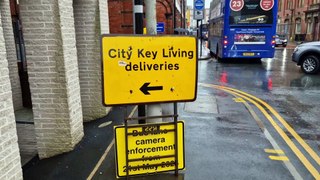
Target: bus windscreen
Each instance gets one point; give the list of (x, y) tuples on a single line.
[(250, 13)]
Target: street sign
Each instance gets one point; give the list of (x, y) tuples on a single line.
[(149, 141), (160, 27), (198, 15), (198, 9), (236, 5), (266, 5), (199, 4), (148, 69)]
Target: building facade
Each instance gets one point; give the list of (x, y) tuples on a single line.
[(298, 19), (50, 64), (121, 19)]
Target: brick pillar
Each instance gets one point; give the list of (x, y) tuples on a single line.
[(10, 165), (49, 34), (11, 53), (91, 20)]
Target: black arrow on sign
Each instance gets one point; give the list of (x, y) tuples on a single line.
[(145, 88)]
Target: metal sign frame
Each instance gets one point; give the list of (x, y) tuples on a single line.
[(175, 123)]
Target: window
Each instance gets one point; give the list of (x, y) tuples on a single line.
[(298, 26), (309, 26), (286, 26), (289, 4), (279, 5), (251, 13), (300, 3)]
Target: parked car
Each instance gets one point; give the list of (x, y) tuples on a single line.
[(307, 55), (281, 40)]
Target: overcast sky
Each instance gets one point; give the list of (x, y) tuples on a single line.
[(207, 3)]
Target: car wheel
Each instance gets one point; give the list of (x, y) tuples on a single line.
[(310, 64)]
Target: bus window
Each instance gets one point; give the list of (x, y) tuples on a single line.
[(251, 13)]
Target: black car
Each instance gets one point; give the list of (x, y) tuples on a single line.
[(307, 55)]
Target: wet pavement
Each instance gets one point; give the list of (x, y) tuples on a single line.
[(226, 135)]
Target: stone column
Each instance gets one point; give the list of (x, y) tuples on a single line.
[(10, 165), (48, 27), (11, 53), (91, 20)]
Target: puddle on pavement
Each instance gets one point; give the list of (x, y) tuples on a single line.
[(227, 120), (205, 103)]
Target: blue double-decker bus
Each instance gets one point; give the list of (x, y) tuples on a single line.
[(242, 28)]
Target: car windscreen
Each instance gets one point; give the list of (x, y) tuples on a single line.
[(251, 12)]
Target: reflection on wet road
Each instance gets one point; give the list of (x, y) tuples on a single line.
[(281, 83), (278, 72), (251, 120)]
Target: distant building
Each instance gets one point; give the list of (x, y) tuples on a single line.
[(121, 15), (299, 19), (191, 22)]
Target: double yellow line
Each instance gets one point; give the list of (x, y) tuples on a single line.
[(263, 106)]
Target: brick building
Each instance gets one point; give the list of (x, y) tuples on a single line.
[(298, 19), (121, 18), (50, 65)]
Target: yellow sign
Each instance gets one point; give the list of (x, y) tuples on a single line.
[(149, 141), (145, 69)]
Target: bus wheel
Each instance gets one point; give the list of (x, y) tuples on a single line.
[(220, 60), (257, 60), (217, 55), (212, 54)]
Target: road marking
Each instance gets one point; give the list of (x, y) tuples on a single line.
[(273, 142), (268, 136), (239, 100), (282, 157), (284, 136), (103, 157), (105, 124), (279, 158), (312, 153), (274, 151)]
